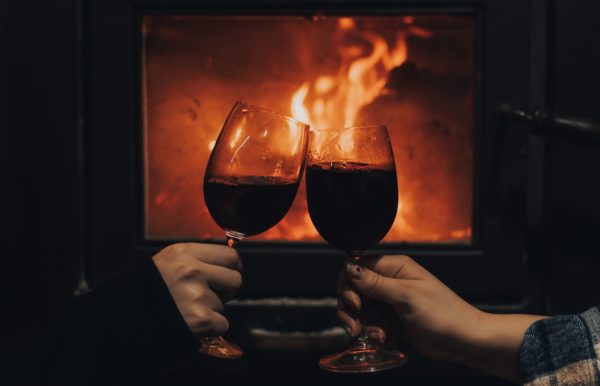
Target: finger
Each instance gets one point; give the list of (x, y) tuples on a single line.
[(210, 300), (376, 332), (190, 296), (394, 266), (225, 280), (211, 254), (350, 298), (347, 293), (354, 314), (374, 285), (214, 324), (351, 324)]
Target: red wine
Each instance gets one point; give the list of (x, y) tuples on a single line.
[(249, 205), (352, 205)]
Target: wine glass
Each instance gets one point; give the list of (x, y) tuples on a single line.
[(251, 180), (352, 198)]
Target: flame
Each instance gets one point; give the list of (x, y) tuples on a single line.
[(346, 23), (334, 101), (337, 79), (298, 110), (324, 84), (362, 76), (360, 79)]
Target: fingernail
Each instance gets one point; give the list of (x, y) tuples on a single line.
[(348, 330), (354, 270), (375, 336)]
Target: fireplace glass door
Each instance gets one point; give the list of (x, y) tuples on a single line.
[(413, 73)]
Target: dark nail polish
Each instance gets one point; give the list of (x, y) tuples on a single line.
[(376, 337), (354, 270)]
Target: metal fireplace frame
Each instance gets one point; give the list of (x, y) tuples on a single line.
[(495, 271), (72, 161)]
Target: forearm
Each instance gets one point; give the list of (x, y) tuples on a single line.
[(493, 345)]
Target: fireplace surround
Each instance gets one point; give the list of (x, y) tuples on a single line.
[(134, 108), (493, 246)]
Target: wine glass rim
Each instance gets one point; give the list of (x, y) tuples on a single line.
[(265, 110), (363, 127)]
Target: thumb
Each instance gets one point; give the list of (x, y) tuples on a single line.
[(372, 284)]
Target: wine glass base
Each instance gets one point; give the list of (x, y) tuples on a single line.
[(220, 347), (362, 360)]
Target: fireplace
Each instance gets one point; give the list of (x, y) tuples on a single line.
[(414, 73), (160, 78)]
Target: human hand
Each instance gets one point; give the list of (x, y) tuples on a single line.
[(201, 278), (434, 318)]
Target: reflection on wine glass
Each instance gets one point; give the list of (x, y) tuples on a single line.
[(251, 180), (352, 198)]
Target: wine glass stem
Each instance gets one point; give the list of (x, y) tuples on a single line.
[(217, 345), (363, 341), (231, 242), (233, 238)]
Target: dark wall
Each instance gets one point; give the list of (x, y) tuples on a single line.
[(37, 201), (574, 212)]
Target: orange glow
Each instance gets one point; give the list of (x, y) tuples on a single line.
[(298, 110), (359, 80), (408, 19), (346, 23), (329, 72)]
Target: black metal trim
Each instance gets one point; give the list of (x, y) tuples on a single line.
[(81, 112)]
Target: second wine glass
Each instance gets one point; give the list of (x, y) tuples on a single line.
[(251, 180), (352, 196)]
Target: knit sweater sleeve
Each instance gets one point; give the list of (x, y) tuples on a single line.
[(562, 350)]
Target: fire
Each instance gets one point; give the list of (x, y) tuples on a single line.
[(298, 110), (362, 76), (346, 23), (329, 72)]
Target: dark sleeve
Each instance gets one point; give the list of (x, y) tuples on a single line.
[(121, 333), (562, 350)]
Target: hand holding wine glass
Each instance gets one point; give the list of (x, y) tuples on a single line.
[(251, 180), (200, 278), (352, 200), (438, 322)]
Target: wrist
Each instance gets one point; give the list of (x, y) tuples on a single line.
[(493, 346), (471, 337)]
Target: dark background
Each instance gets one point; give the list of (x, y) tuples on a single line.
[(43, 229)]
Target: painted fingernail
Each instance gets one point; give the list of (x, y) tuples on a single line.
[(354, 270), (375, 336)]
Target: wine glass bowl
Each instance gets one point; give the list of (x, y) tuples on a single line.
[(251, 179), (352, 196), (254, 170)]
